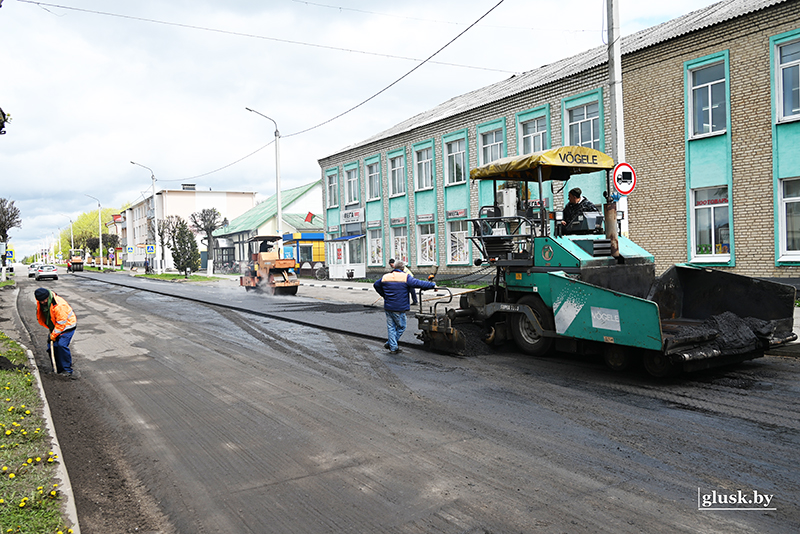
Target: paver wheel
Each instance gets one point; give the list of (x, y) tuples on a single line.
[(523, 332)]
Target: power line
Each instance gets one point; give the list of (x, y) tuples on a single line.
[(401, 77), (253, 36)]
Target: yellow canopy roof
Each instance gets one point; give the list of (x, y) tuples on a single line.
[(556, 164)]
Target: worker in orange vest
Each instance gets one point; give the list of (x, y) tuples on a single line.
[(55, 314)]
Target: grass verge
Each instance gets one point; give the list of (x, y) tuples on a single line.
[(30, 500)]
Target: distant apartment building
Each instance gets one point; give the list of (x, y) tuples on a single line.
[(140, 227)]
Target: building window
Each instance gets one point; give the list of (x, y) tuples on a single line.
[(426, 242), (789, 72), (397, 171), (533, 135), (458, 231), (709, 109), (351, 180), (790, 217), (455, 161), (400, 243), (424, 168), (354, 251), (712, 230), (584, 126), (333, 190), (306, 253), (491, 146), (373, 181), (375, 247)]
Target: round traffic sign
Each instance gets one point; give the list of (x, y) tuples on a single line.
[(624, 178)]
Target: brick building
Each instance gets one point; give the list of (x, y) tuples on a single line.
[(711, 102)]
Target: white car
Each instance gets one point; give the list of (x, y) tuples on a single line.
[(32, 268), (46, 271)]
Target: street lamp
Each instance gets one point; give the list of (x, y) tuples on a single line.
[(71, 236), (277, 169), (155, 216), (99, 227)]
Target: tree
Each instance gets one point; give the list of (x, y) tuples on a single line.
[(9, 218), (184, 251), (205, 222)]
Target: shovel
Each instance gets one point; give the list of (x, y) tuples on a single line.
[(53, 357)]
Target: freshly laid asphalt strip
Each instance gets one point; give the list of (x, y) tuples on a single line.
[(359, 320)]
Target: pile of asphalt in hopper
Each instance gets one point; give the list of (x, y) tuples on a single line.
[(733, 334)]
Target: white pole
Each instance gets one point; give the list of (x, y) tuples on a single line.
[(615, 96), (279, 215), (99, 226)]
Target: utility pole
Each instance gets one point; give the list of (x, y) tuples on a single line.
[(615, 97)]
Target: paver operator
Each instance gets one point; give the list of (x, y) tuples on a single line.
[(55, 314), (395, 288)]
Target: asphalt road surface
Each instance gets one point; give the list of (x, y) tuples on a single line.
[(222, 422)]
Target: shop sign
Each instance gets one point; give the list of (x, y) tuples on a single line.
[(427, 217), (374, 224), (353, 216), (333, 229), (397, 221), (455, 214)]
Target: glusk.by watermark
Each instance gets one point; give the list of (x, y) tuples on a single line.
[(734, 500)]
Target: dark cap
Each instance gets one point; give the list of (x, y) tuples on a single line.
[(42, 294), (391, 261)]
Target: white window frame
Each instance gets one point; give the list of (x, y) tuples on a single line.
[(400, 243), (707, 88), (426, 244), (781, 69), (456, 152), (491, 146), (590, 118), (540, 134), (375, 243), (457, 240), (397, 176), (716, 256), (351, 185), (333, 189), (784, 202), (373, 181), (423, 168), (355, 251)]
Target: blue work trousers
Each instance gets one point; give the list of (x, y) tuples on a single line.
[(396, 324), (62, 352)]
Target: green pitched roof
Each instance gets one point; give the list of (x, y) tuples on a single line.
[(258, 215), (298, 221)]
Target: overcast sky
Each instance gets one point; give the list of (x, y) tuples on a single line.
[(92, 85)]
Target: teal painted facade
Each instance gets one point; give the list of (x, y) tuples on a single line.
[(486, 191), (785, 140), (591, 185), (708, 162)]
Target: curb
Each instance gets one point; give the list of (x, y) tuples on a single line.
[(61, 469), (354, 288)]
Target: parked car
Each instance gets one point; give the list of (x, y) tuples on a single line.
[(32, 268), (46, 271)]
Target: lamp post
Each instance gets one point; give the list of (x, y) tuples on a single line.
[(99, 227), (156, 259), (277, 170), (71, 236)]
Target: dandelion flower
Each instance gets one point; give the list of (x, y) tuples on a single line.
[(11, 475)]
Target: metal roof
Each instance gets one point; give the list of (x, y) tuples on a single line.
[(694, 21), (261, 213)]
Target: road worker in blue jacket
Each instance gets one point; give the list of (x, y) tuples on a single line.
[(395, 288)]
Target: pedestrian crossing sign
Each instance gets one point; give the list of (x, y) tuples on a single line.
[(150, 249)]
